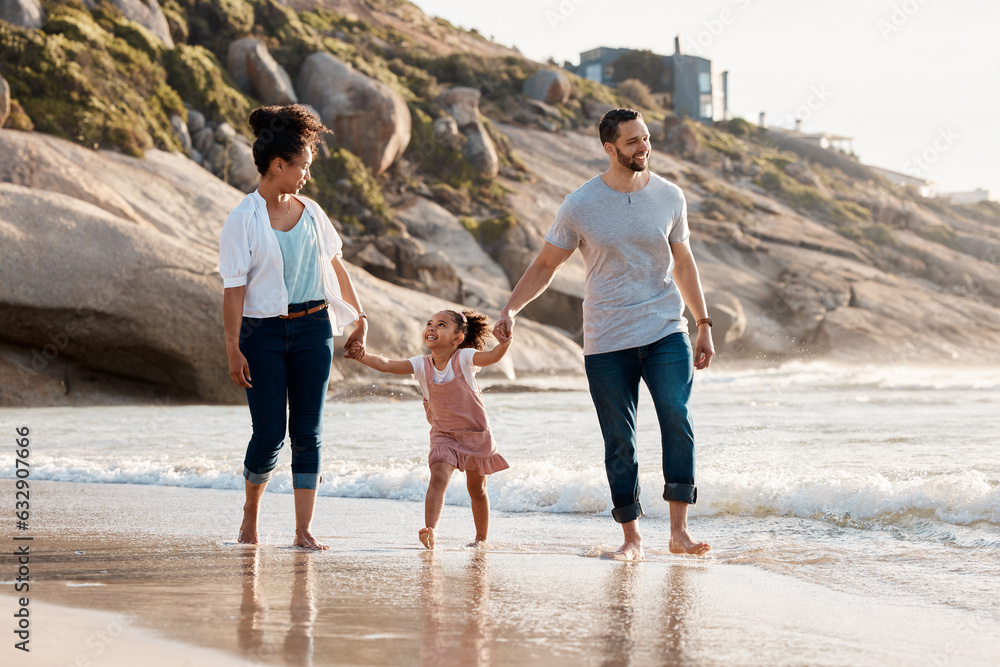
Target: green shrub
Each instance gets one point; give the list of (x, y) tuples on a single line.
[(214, 24), (77, 80), (348, 191), (201, 82)]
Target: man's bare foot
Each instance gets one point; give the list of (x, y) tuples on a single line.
[(427, 536), (683, 543), (248, 531), (305, 540), (627, 551)]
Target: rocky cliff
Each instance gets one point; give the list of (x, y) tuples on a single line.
[(451, 156)]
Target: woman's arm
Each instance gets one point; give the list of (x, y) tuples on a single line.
[(232, 319), (355, 343)]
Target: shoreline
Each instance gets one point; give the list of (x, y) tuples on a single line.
[(159, 557)]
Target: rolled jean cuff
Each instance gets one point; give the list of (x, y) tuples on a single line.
[(305, 480), (627, 513), (683, 493), (256, 477)]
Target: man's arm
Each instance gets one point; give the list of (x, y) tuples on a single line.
[(689, 283), (534, 281)]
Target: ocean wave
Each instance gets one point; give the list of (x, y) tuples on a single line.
[(861, 500), (883, 376)]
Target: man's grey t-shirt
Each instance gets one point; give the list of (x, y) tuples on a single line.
[(630, 299)]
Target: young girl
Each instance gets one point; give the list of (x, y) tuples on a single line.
[(460, 431)]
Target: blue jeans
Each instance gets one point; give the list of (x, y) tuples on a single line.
[(289, 362), (667, 368)]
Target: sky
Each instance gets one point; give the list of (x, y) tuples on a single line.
[(916, 83)]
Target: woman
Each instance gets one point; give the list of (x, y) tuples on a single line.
[(287, 294)]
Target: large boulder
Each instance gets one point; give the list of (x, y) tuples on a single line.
[(81, 284), (23, 13), (549, 86), (4, 100), (257, 72), (164, 191), (368, 118), (462, 104), (148, 14), (484, 281)]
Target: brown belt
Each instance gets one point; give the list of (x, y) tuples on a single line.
[(300, 313)]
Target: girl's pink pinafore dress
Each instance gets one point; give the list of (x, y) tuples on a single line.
[(460, 430)]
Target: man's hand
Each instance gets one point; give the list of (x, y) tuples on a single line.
[(704, 349), (503, 330)]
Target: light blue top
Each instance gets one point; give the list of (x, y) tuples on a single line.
[(300, 256)]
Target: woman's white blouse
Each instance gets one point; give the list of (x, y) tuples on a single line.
[(249, 255)]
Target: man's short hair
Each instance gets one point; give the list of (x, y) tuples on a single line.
[(611, 121)]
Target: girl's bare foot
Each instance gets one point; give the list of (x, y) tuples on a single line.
[(305, 540), (427, 536), (681, 542)]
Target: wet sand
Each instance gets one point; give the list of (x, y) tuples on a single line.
[(123, 573)]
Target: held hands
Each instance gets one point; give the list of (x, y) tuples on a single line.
[(503, 330), (354, 346)]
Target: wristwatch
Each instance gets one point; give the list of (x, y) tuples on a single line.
[(361, 314), (704, 320)]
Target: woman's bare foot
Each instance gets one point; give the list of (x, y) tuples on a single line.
[(681, 542), (478, 544), (248, 530), (305, 540), (427, 536)]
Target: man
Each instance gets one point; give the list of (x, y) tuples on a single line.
[(631, 228)]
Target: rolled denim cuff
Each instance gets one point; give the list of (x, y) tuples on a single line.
[(305, 480), (683, 493), (256, 477), (627, 513)]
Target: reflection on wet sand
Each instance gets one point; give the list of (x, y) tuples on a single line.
[(634, 630), (456, 627), (675, 612), (616, 638), (251, 629)]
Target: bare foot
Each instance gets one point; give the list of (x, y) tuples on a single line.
[(305, 540), (683, 543), (478, 544), (628, 551), (427, 536), (248, 530)]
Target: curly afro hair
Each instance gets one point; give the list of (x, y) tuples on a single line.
[(283, 132)]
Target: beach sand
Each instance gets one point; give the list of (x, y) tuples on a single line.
[(123, 573)]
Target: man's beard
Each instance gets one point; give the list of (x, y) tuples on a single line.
[(629, 163)]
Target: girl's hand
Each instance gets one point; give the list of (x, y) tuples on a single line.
[(354, 346), (356, 350)]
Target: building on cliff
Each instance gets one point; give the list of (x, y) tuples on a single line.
[(686, 84)]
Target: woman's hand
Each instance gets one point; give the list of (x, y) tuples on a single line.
[(354, 346), (239, 369)]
